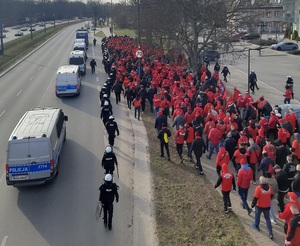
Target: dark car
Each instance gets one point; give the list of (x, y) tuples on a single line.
[(19, 33), (296, 107), (250, 36), (212, 55)]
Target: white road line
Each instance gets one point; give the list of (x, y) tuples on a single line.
[(98, 88), (31, 78), (3, 243), (2, 178), (19, 93), (3, 112), (97, 79)]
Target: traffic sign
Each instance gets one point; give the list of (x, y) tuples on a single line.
[(139, 54)]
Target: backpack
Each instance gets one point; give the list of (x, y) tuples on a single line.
[(166, 139)]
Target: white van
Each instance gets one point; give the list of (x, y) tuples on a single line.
[(76, 57), (34, 147), (68, 81), (82, 47)]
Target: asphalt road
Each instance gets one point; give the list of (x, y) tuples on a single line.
[(63, 212)]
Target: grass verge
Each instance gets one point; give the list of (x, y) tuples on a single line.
[(189, 211), (100, 34), (128, 32)]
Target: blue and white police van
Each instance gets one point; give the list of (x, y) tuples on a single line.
[(34, 147)]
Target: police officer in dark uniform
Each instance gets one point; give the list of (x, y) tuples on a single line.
[(118, 89), (108, 193), (290, 83), (106, 111), (111, 127), (109, 160)]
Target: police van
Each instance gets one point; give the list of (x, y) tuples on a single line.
[(81, 46), (68, 81), (34, 147), (76, 57)]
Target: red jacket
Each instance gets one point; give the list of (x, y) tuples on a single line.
[(191, 135), (283, 135), (288, 94), (287, 214), (208, 126), (227, 178), (179, 136), (214, 136), (222, 157), (245, 175), (239, 157), (271, 150), (189, 117)]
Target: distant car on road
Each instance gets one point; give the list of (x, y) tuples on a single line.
[(24, 28), (251, 36), (212, 55), (32, 29), (285, 46), (19, 33)]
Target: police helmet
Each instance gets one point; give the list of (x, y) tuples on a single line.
[(106, 103), (252, 71), (108, 149), (225, 66), (104, 84), (289, 76), (104, 95), (111, 117), (108, 177)]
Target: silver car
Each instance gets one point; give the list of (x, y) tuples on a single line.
[(296, 107), (285, 46)]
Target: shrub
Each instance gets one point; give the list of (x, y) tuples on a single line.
[(295, 35)]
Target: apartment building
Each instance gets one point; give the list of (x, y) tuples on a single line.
[(291, 14)]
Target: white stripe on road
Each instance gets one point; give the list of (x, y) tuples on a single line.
[(3, 112), (97, 79), (31, 78), (19, 93), (98, 88), (2, 178), (3, 243)]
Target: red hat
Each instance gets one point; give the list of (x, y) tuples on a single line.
[(293, 195)]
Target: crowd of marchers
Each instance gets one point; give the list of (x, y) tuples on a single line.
[(231, 128)]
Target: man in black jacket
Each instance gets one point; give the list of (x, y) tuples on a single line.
[(198, 147), (163, 135), (230, 144), (293, 234), (143, 95), (281, 153), (109, 160), (108, 193), (111, 128), (290, 169), (118, 88), (160, 120), (151, 91), (283, 185)]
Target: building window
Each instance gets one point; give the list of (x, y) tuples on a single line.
[(276, 13), (269, 14), (261, 14), (269, 24)]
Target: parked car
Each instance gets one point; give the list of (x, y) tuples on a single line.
[(212, 55), (24, 28), (296, 107), (42, 24), (32, 29), (19, 33), (251, 36), (285, 46)]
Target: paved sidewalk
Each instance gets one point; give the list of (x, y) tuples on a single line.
[(237, 79)]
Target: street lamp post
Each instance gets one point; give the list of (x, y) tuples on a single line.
[(139, 36), (45, 22), (1, 38)]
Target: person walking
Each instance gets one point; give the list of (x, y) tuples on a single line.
[(214, 138), (108, 193), (93, 64), (287, 95), (283, 185), (189, 138), (262, 199), (160, 120), (296, 182), (243, 182), (273, 183), (118, 89), (225, 72), (253, 81), (266, 164), (254, 157), (293, 233), (290, 169), (198, 147), (222, 157), (179, 141), (163, 135), (111, 128), (227, 182), (137, 107), (287, 214), (106, 111), (109, 160)]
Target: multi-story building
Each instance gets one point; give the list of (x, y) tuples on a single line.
[(291, 14)]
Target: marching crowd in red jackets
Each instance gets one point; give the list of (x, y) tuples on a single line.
[(239, 128)]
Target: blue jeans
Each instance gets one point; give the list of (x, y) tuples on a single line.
[(243, 192), (189, 148), (156, 109), (212, 147), (286, 101), (266, 212), (272, 213)]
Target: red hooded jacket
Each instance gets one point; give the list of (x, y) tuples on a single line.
[(245, 175)]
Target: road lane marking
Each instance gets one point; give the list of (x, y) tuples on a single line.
[(31, 78), (19, 92), (2, 178), (97, 79), (98, 88), (3, 243), (3, 112)]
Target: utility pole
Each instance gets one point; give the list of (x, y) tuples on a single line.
[(45, 22), (111, 22), (1, 38), (139, 35), (31, 36)]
